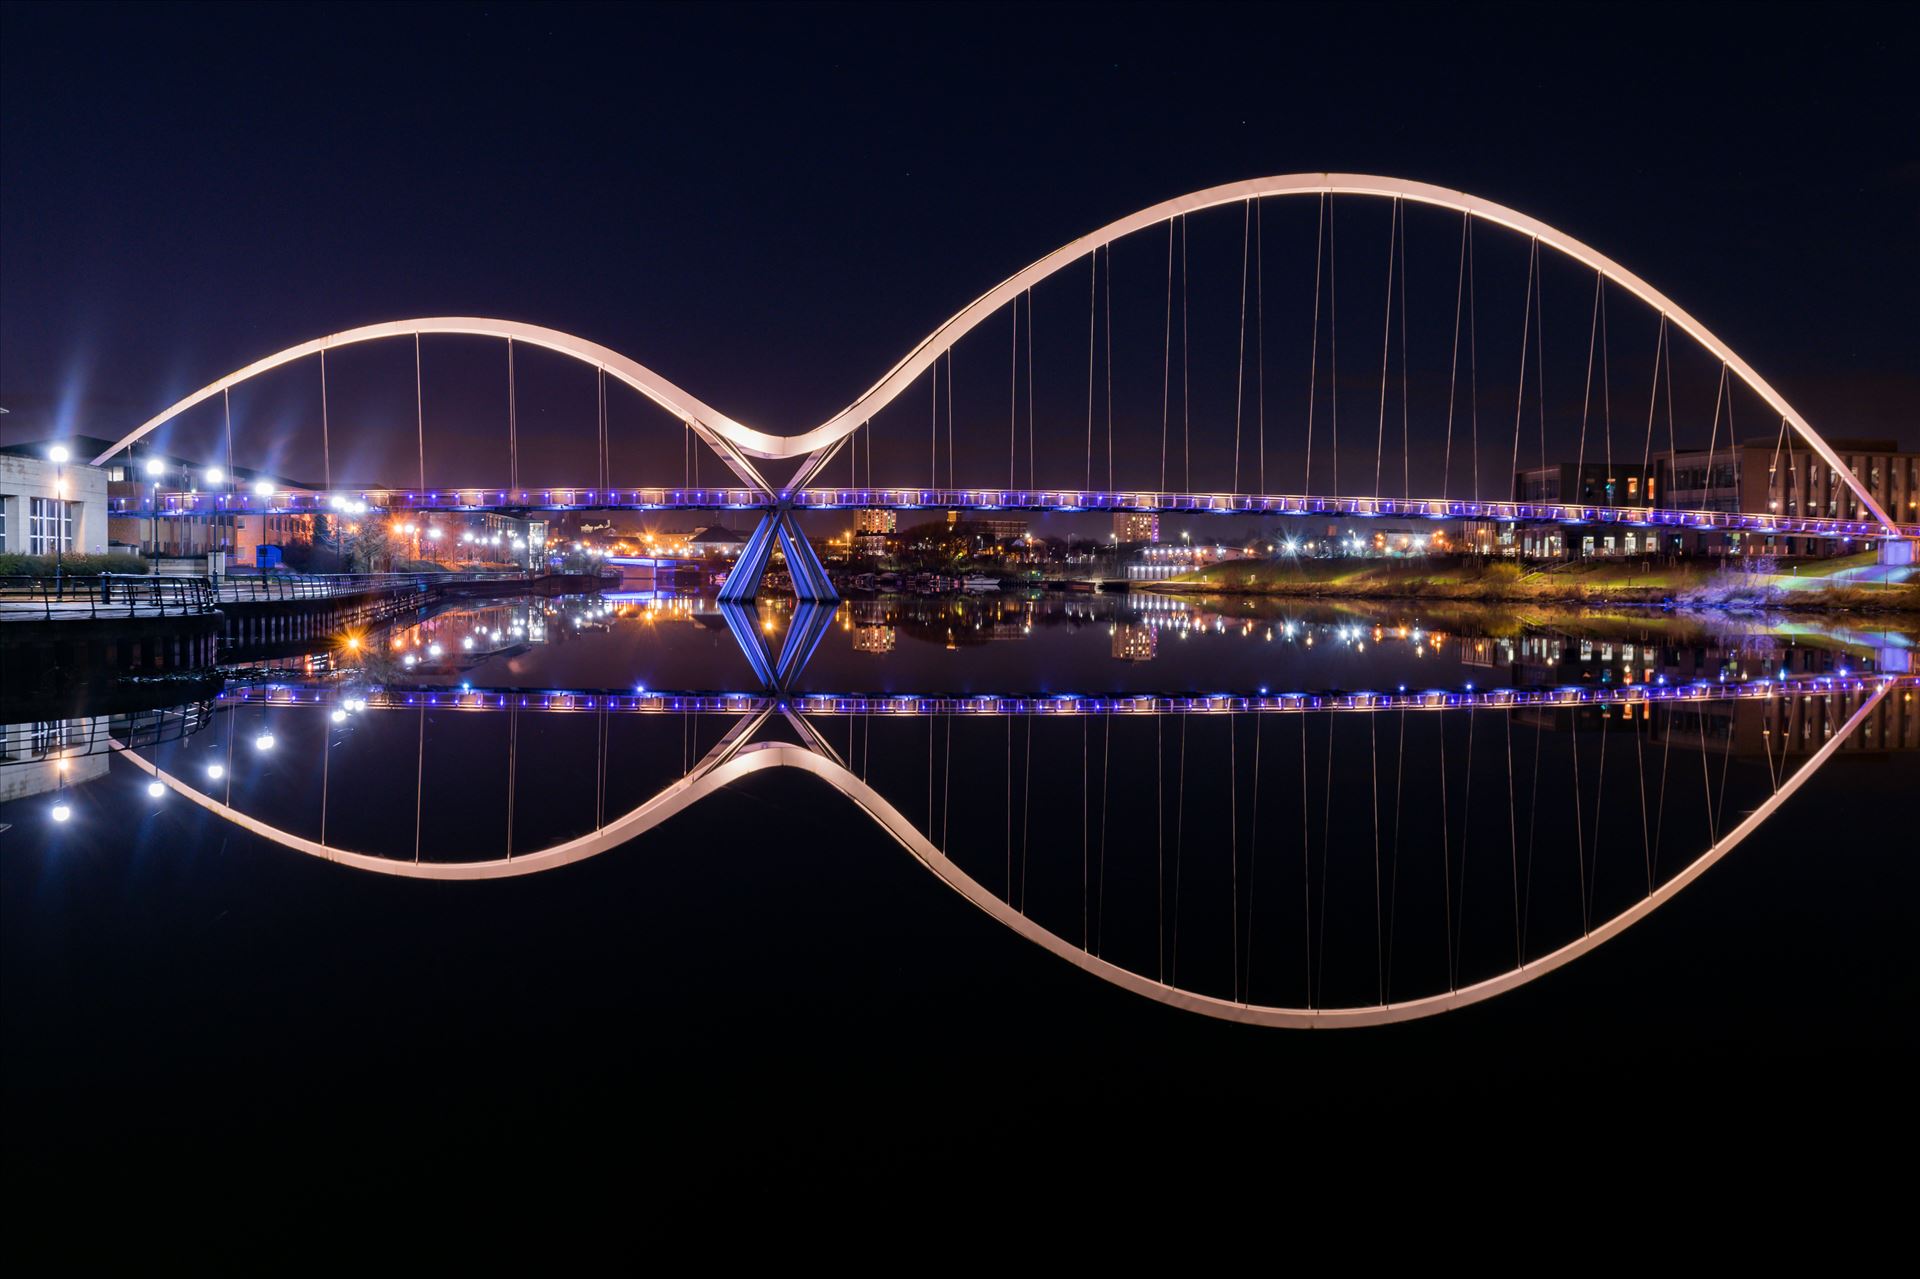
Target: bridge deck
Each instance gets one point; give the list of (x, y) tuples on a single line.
[(1071, 501), (907, 705)]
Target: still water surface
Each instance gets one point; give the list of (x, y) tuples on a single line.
[(1303, 861)]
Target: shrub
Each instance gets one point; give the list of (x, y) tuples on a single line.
[(16, 565)]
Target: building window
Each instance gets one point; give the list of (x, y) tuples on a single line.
[(3, 523), (1633, 486), (49, 526)]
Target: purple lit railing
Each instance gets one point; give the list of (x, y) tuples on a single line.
[(989, 706), (454, 500)]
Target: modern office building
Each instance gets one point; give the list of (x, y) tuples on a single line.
[(1589, 483), (1781, 476)]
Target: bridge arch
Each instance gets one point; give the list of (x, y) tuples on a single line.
[(711, 425), (942, 339), (733, 762), (736, 442)]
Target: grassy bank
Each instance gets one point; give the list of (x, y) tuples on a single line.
[(1687, 585)]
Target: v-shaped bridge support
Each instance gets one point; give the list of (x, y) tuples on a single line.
[(777, 526)]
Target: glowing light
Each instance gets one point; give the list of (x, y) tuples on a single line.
[(216, 771), (58, 453), (433, 650), (264, 742), (215, 475), (263, 488), (339, 716), (61, 812), (156, 790)]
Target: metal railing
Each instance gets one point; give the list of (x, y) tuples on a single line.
[(139, 594), (37, 741), (104, 595), (248, 588)]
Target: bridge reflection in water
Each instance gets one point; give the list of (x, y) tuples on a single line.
[(1292, 859)]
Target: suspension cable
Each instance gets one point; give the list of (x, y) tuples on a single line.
[(1333, 352), (419, 411), (1653, 394), (1240, 361), (1540, 351), (1473, 363), (226, 401), (326, 446), (1032, 425), (1179, 841), (1406, 412), (1586, 396), (1713, 439), (1109, 327), (1526, 333), (1386, 341), (513, 423), (1313, 349), (1453, 363), (1260, 354), (1093, 298), (1186, 381), (1166, 368)]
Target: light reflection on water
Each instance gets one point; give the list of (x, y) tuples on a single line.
[(1106, 644), (1430, 851)]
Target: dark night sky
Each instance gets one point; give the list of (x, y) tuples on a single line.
[(771, 205)]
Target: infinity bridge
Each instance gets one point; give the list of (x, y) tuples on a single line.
[(1208, 869), (1108, 415)]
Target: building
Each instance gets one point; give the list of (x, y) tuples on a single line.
[(1136, 526), (47, 506), (130, 483), (994, 528), (1135, 642), (875, 520), (1589, 484), (1782, 476), (874, 639), (716, 541)]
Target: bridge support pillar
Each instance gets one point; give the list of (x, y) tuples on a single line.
[(1896, 551), (777, 527)]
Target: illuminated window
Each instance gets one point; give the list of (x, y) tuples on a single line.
[(49, 526), (1633, 486)]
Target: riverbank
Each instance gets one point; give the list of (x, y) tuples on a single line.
[(1827, 586)]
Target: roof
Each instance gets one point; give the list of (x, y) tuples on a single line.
[(84, 448), (716, 534)]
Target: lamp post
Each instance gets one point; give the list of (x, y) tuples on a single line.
[(154, 469), (58, 455)]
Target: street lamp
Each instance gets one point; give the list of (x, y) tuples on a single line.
[(58, 456), (155, 467)]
